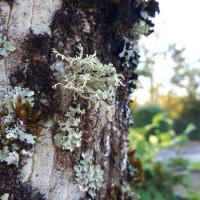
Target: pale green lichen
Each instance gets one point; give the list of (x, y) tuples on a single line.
[(89, 79), (88, 175), (6, 47), (5, 196), (129, 52), (131, 193), (25, 95), (14, 114), (69, 133), (139, 29)]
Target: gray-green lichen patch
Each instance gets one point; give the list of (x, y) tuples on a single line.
[(69, 133), (17, 133), (5, 196), (10, 2), (129, 53), (139, 29), (89, 79), (88, 175), (6, 46)]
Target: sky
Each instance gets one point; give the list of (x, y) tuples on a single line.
[(178, 22)]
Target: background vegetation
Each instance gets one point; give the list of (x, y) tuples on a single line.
[(167, 120)]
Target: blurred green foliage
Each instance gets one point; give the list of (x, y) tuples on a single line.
[(186, 77), (194, 196), (183, 100), (144, 115), (190, 114), (146, 142)]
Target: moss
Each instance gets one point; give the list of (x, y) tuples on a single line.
[(151, 7), (10, 2), (35, 72), (116, 192), (136, 174), (18, 125), (110, 22), (10, 183), (66, 24), (17, 113)]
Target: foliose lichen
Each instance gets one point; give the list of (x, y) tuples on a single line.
[(89, 79), (6, 46), (88, 175), (5, 196), (130, 53), (139, 29), (69, 133), (17, 133)]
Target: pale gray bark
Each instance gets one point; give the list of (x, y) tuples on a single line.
[(40, 170)]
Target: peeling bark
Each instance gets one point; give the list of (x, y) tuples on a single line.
[(37, 26)]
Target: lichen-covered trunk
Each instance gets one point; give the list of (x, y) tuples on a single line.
[(36, 27)]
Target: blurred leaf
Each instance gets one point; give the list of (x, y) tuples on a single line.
[(191, 127), (147, 141), (195, 166), (194, 196)]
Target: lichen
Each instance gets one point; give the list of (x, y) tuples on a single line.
[(129, 53), (88, 175), (34, 72), (17, 131), (139, 29), (116, 192), (5, 196), (89, 79), (6, 46), (69, 133)]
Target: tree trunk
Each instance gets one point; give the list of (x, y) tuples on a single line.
[(37, 26)]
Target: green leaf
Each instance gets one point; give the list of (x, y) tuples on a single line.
[(195, 166)]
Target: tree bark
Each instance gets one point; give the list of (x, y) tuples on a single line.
[(37, 26)]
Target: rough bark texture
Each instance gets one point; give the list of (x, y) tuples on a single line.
[(37, 26)]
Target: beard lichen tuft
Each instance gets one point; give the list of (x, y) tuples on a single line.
[(89, 79)]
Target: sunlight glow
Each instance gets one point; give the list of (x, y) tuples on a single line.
[(177, 23)]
